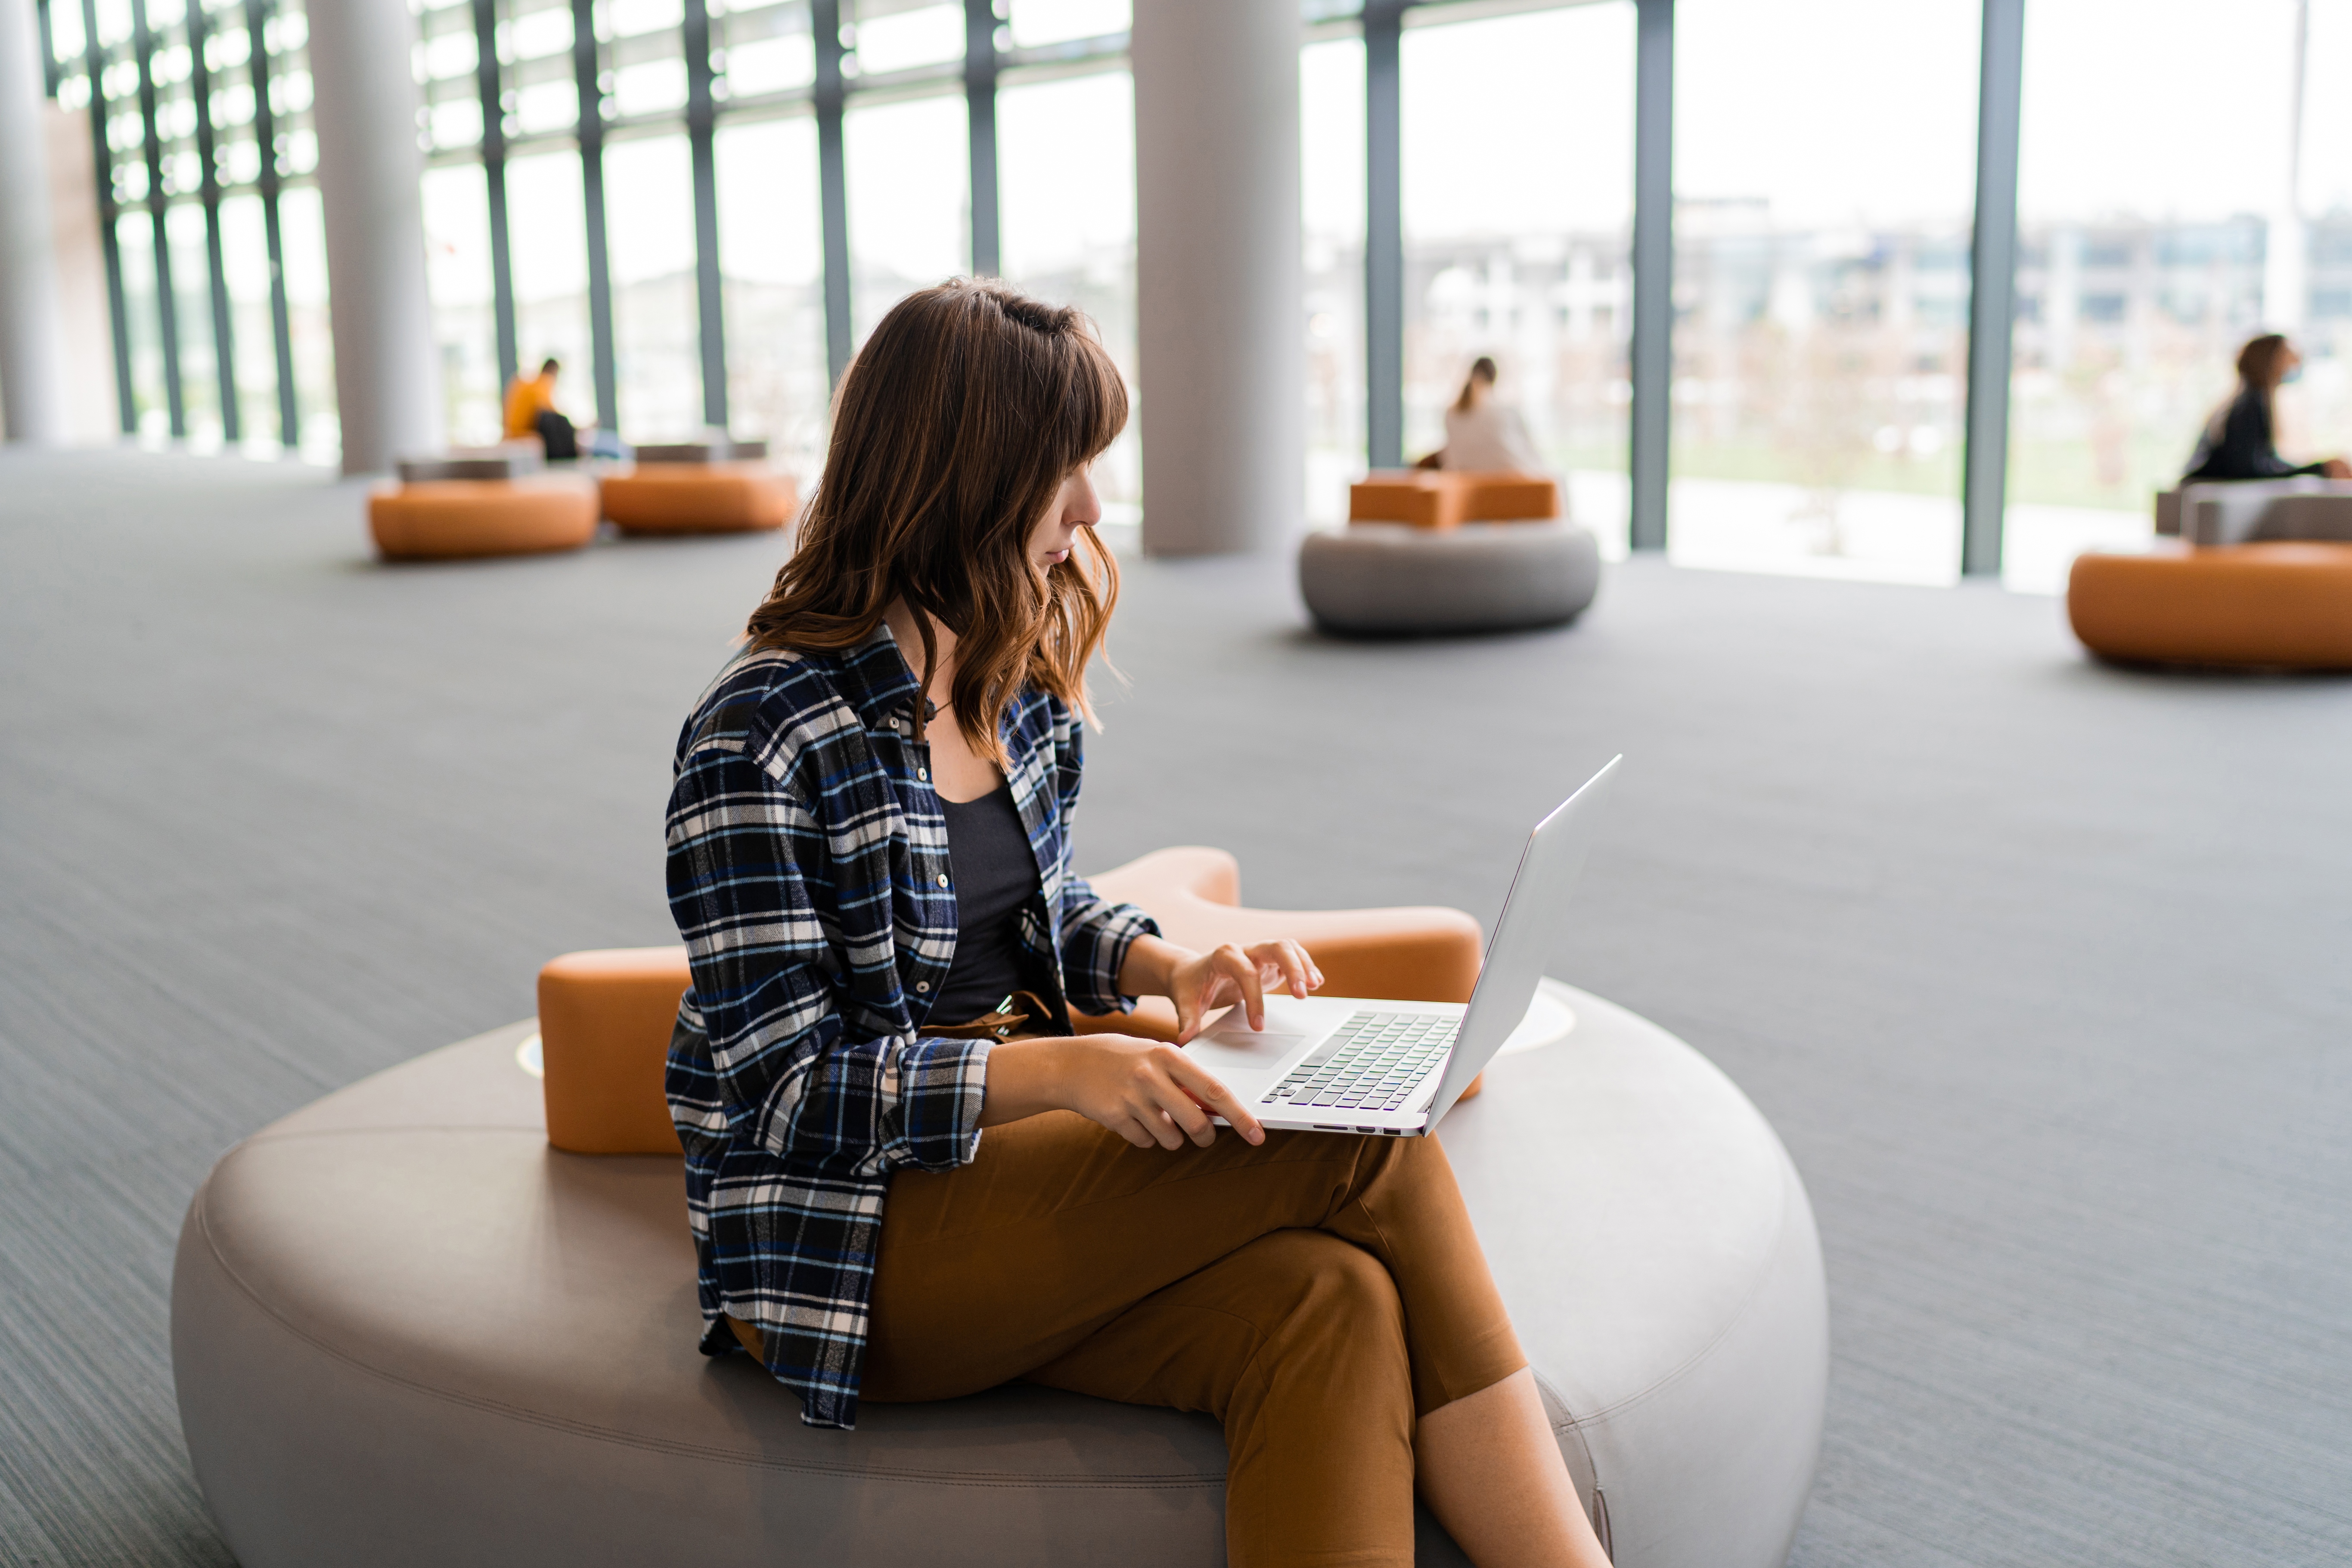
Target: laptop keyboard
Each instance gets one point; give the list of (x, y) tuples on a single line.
[(1370, 1063)]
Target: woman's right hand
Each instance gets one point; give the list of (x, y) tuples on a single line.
[(1148, 1092)]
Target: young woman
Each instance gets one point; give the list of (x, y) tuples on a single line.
[(2238, 442), (907, 1178), (1483, 434)]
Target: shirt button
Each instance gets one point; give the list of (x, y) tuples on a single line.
[(924, 774), (943, 879), (922, 985)]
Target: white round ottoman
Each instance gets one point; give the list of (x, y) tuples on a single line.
[(404, 1330), (1392, 579)]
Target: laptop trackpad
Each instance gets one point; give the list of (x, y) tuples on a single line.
[(1232, 1047)]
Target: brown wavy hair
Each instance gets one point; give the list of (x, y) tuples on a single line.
[(952, 433), (2258, 361)]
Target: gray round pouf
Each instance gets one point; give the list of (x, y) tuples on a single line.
[(1371, 579), (407, 1331)]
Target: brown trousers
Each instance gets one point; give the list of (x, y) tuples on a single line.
[(1316, 1294)]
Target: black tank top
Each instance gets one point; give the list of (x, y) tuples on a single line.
[(995, 875)]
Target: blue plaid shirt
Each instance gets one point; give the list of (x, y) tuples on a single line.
[(809, 875)]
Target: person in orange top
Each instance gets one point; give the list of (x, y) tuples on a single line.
[(531, 411)]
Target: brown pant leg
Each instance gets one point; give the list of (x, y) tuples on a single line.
[(1060, 1226), (1297, 1345)]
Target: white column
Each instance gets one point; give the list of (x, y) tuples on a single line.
[(1221, 325), (32, 358), (364, 106)]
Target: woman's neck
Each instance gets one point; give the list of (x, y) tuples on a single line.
[(905, 625)]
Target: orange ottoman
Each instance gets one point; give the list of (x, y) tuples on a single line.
[(604, 1016), (2283, 604), (467, 508), (1446, 498), (701, 488)]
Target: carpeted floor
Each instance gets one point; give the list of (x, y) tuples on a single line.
[(2039, 967)]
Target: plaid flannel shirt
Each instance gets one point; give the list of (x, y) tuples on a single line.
[(809, 875)]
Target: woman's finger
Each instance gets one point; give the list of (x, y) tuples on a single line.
[(1186, 1112), (1205, 1087), (1241, 969), (1294, 966)]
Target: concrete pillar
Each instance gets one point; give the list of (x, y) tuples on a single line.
[(32, 358), (364, 106), (1221, 323), (85, 322)]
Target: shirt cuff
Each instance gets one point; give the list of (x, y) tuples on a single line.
[(942, 1083), (1093, 983)]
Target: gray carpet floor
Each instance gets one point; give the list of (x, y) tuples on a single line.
[(2039, 967)]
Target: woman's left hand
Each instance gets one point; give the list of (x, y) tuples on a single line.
[(1203, 982)]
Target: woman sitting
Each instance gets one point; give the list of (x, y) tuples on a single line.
[(2237, 443), (1484, 435), (907, 1178)]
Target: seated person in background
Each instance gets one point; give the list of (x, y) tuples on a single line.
[(2237, 443), (531, 411), (1482, 436)]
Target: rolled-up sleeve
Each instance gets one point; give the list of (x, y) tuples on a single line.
[(1096, 936), (757, 887)]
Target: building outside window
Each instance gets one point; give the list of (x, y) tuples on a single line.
[(2181, 188), (1824, 181), (1518, 140), (1066, 149), (1331, 204), (2161, 227)]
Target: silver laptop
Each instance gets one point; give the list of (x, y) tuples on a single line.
[(1345, 1065)]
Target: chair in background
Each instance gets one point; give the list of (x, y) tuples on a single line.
[(1444, 499), (699, 487), (491, 504)]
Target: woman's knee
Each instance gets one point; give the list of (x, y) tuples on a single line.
[(1334, 1286)]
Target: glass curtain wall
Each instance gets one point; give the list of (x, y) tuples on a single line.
[(1056, 138), (1518, 140), (773, 269), (1825, 182), (629, 284), (1331, 152), (201, 115), (2161, 224), (908, 170)]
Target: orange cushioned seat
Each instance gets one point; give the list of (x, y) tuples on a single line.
[(604, 1016), (1442, 498), (700, 498), (449, 520), (2280, 605)]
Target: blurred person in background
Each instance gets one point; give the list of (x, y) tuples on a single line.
[(2238, 442), (1484, 435), (531, 411)]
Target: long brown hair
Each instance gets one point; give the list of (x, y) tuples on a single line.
[(1482, 369), (952, 433)]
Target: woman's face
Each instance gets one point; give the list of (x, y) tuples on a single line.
[(1074, 507)]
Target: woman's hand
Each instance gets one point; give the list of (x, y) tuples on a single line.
[(1200, 983), (1148, 1092)]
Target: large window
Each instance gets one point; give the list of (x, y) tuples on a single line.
[(1518, 211), (769, 250), (202, 114), (458, 272), (2186, 181), (2159, 230), (649, 186), (1824, 178), (909, 174), (1332, 200), (1066, 146)]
